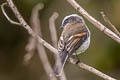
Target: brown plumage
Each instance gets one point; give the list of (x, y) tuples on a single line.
[(74, 34)]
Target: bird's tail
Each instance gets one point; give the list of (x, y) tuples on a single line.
[(59, 68)]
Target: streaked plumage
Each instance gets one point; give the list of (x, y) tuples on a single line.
[(74, 39)]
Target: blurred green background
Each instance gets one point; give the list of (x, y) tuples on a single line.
[(103, 53)]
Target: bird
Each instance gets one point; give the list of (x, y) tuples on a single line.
[(74, 39)]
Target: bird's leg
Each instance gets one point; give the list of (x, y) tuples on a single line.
[(78, 60)]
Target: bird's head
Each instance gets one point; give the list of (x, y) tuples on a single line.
[(72, 19)]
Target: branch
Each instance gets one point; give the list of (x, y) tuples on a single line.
[(97, 24), (41, 41), (35, 23), (109, 23), (102, 28), (27, 27), (3, 10), (53, 33), (30, 48), (52, 28), (90, 69)]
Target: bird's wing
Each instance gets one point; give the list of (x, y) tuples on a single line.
[(71, 44), (75, 41)]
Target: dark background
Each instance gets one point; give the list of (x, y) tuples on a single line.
[(103, 53)]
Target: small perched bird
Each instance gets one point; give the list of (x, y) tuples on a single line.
[(75, 39)]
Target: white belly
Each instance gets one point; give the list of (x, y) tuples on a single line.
[(83, 47)]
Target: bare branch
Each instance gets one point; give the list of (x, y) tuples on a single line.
[(27, 27), (97, 24), (39, 39), (35, 23), (30, 51), (53, 32), (90, 69), (109, 23), (10, 20), (52, 28)]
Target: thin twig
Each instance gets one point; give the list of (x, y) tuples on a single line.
[(39, 39), (3, 10), (35, 23), (109, 23), (97, 24), (52, 28), (53, 33)]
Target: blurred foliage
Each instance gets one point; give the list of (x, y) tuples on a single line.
[(103, 53)]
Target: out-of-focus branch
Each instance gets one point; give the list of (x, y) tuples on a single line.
[(40, 40), (97, 24), (109, 23), (30, 49), (53, 33), (35, 23), (52, 28)]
